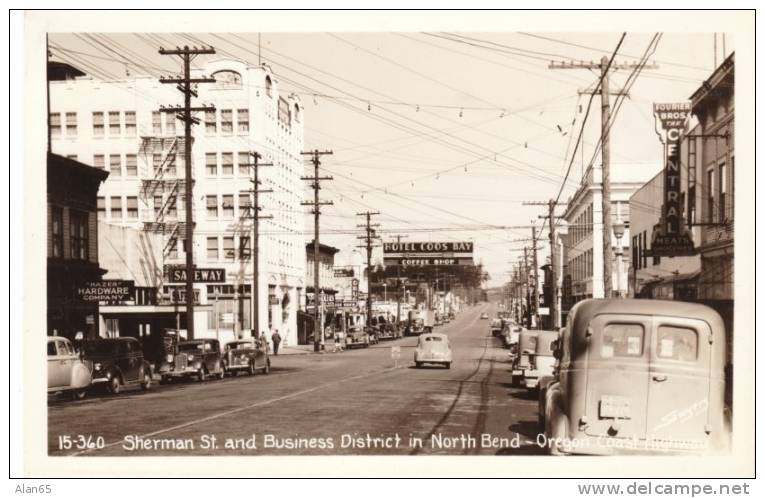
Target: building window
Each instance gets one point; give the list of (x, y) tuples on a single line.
[(710, 195), (114, 123), (210, 124), (172, 211), (268, 86), (227, 163), (643, 255), (131, 165), (170, 124), (55, 124), (156, 160), (228, 206), (212, 206), (156, 123), (170, 161), (245, 201), (172, 249), (243, 159), (157, 205), (228, 248), (211, 163), (116, 208), (130, 126), (243, 120), (101, 207), (71, 124), (78, 234), (226, 121), (212, 248), (57, 231), (732, 185), (244, 248), (132, 208), (98, 124), (691, 204), (297, 113), (722, 186), (98, 161), (115, 165)]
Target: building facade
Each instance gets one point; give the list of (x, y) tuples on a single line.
[(117, 126), (72, 241), (582, 242), (714, 147)]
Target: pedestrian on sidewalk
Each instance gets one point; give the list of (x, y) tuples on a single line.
[(264, 341), (276, 339)]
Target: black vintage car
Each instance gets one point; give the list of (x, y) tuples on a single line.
[(197, 358), (116, 363), (247, 355)]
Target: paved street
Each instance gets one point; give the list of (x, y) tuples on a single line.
[(354, 402)]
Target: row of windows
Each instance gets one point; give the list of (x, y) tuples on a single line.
[(116, 206), (582, 228), (78, 234), (224, 163), (223, 121), (581, 266), (117, 122)]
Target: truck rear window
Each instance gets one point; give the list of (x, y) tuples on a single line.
[(677, 343), (622, 340)]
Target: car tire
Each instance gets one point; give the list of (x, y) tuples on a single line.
[(267, 368), (164, 379), (252, 368), (201, 375), (114, 385), (146, 383), (418, 364), (448, 365), (79, 394)]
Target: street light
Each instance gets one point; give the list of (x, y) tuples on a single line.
[(618, 227)]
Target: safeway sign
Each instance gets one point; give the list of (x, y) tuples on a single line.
[(206, 275), (671, 237)]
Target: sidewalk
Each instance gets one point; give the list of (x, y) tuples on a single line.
[(303, 349)]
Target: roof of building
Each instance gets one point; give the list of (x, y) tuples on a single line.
[(322, 248), (722, 76)]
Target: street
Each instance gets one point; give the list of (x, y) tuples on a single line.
[(352, 402)]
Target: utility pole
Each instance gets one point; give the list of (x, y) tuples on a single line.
[(554, 270), (536, 274), (605, 65), (368, 240), (399, 284), (256, 217), (184, 84), (528, 287), (316, 179)]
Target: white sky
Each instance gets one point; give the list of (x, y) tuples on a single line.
[(435, 167)]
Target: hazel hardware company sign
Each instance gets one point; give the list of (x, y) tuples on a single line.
[(112, 291), (671, 237)]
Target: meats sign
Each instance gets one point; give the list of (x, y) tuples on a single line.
[(671, 237)]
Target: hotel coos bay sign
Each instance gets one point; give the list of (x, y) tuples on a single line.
[(672, 238), (427, 253)]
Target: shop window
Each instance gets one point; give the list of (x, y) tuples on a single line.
[(57, 229)]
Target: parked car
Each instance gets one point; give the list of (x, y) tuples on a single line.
[(639, 376), (433, 348), (246, 355), (527, 344), (66, 371), (484, 316), (510, 336), (116, 363), (372, 333), (197, 358), (496, 327), (356, 337), (542, 360)]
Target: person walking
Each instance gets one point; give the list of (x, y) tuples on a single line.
[(276, 339), (264, 341)]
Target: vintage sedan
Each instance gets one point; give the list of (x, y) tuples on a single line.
[(433, 348), (116, 363), (639, 376), (197, 358), (245, 355), (521, 356), (496, 327), (66, 371), (542, 360), (484, 316), (357, 337)]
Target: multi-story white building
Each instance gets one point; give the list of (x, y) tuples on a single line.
[(583, 242), (118, 126)]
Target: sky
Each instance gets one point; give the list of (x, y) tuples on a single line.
[(446, 134)]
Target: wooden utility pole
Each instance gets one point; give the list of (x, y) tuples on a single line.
[(605, 65), (368, 245), (399, 284), (256, 217), (536, 274), (316, 179), (184, 84), (554, 270)]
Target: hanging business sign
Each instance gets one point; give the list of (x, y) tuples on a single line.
[(343, 272), (672, 237), (427, 253), (177, 275), (355, 288), (111, 291)]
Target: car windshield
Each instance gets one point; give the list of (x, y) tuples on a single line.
[(240, 345), (190, 346), (496, 323), (99, 348)]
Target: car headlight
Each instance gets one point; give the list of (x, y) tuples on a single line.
[(190, 357), (169, 358), (97, 366)]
